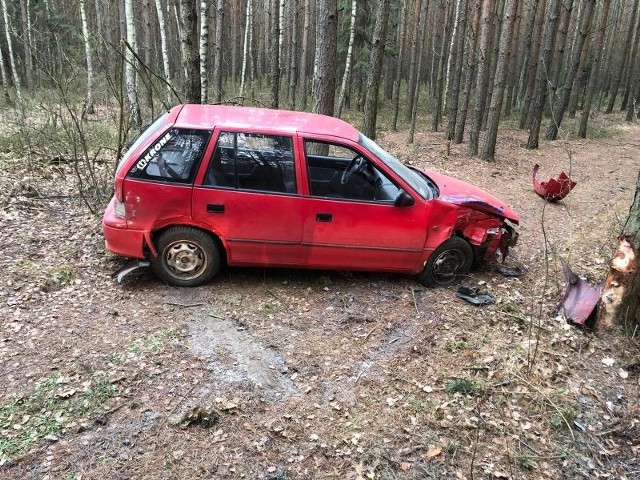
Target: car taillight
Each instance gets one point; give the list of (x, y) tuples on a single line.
[(119, 209)]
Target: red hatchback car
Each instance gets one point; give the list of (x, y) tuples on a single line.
[(209, 185)]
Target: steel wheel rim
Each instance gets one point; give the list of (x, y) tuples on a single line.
[(185, 260), (447, 265)]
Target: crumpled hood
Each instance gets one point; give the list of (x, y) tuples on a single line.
[(464, 194)]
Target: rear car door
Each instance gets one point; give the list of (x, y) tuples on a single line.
[(248, 196), (350, 221)]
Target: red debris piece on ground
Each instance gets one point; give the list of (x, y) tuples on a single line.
[(580, 298), (554, 189)]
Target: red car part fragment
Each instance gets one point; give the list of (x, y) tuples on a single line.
[(580, 298), (554, 189)]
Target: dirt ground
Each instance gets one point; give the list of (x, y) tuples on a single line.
[(283, 374)]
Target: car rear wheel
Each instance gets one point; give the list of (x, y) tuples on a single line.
[(187, 257), (448, 264)]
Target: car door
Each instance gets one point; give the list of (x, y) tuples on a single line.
[(247, 195), (352, 223)]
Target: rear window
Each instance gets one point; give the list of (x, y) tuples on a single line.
[(174, 157), (147, 133)]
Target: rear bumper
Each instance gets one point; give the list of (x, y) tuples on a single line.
[(118, 238)]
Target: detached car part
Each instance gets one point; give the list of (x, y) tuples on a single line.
[(553, 189)]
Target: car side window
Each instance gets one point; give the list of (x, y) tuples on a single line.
[(336, 171), (250, 161), (172, 157)]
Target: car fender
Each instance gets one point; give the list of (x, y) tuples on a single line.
[(184, 222)]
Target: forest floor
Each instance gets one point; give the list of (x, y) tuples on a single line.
[(283, 374)]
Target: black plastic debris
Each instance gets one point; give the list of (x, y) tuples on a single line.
[(474, 295), (128, 268)]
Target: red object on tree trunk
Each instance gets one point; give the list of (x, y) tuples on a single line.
[(554, 189)]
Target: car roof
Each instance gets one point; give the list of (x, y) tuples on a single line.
[(283, 121)]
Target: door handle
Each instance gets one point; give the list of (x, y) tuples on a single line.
[(215, 208), (323, 217)]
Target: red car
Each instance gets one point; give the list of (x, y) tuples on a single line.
[(209, 185)]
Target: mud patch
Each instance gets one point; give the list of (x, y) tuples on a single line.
[(236, 358)]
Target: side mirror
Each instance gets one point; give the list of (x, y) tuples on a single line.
[(404, 200)]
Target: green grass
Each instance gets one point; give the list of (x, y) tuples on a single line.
[(28, 419)]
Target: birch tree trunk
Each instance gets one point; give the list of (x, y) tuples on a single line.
[(375, 70), (12, 60), (347, 67), (324, 77), (495, 108), (595, 69), (87, 50), (204, 50), (247, 45), (189, 47), (561, 104), (217, 59), (129, 66), (163, 47)]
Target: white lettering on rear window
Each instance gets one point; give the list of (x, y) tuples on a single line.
[(143, 162)]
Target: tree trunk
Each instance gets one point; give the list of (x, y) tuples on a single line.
[(189, 48), (204, 50), (594, 78), (615, 85), (533, 63), (542, 74), (26, 39), (633, 58), (483, 72), (442, 65), (324, 78), (586, 15), (129, 68), (398, 80), (274, 54), (5, 80), (217, 59), (87, 51), (416, 94), (347, 66), (415, 46), (557, 61), (293, 57), (304, 77), (375, 70), (457, 61), (470, 70), (488, 153), (247, 46), (12, 60), (164, 48), (620, 297)]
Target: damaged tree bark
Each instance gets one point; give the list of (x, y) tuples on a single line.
[(620, 299)]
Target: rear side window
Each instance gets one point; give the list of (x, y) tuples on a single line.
[(174, 157), (249, 161)]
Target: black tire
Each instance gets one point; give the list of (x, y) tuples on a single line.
[(187, 257), (448, 264)]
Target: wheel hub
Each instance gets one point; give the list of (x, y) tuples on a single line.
[(185, 257), (447, 264)]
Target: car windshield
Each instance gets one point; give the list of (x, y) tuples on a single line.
[(418, 181), (150, 130)]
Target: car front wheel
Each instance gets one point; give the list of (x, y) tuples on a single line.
[(448, 264), (187, 257)]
